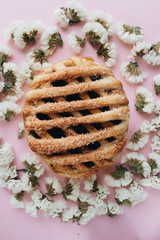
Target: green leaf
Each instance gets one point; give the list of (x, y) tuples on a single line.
[(136, 137), (124, 202), (133, 68), (140, 102), (27, 38), (39, 56), (33, 180), (20, 134), (80, 41), (31, 168), (95, 186), (3, 58), (132, 29), (19, 196), (9, 114), (155, 47), (119, 173), (22, 170), (93, 38), (74, 18), (50, 190), (152, 163), (83, 206), (135, 166), (157, 89)]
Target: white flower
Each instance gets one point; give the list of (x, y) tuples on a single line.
[(95, 32), (109, 53), (3, 183), (15, 186), (15, 90), (137, 141), (37, 198), (20, 130), (132, 73), (7, 172), (1, 86), (155, 144), (46, 206), (89, 183), (101, 209), (31, 209), (6, 155), (152, 181), (153, 56), (26, 33), (105, 19), (76, 8), (129, 34), (74, 185), (37, 60), (71, 213), (9, 32), (131, 196), (86, 217), (12, 172), (15, 203), (102, 192), (58, 207), (61, 18), (4, 53), (154, 162), (118, 178), (145, 127), (137, 163), (153, 126), (26, 183), (145, 100), (27, 73), (86, 198), (140, 49), (33, 161), (75, 42), (157, 107), (155, 123), (113, 209), (49, 40), (156, 79), (54, 185)]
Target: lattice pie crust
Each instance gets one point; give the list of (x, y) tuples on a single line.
[(76, 117)]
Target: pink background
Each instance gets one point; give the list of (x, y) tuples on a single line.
[(138, 223)]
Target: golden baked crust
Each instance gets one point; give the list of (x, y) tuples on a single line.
[(76, 117)]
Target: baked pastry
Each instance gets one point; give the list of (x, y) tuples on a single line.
[(76, 117)]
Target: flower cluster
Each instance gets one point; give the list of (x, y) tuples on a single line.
[(131, 196), (137, 163), (153, 55), (118, 178), (20, 130), (27, 73), (129, 34), (50, 39), (152, 181), (105, 19), (155, 144), (73, 14), (8, 110), (72, 190), (137, 141), (13, 81), (37, 59), (109, 53), (53, 186), (157, 83), (132, 73), (76, 42), (154, 162), (145, 100), (140, 49), (95, 33), (22, 32), (147, 126)]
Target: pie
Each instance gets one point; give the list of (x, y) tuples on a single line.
[(76, 117)]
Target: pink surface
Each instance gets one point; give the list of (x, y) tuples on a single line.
[(138, 223)]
